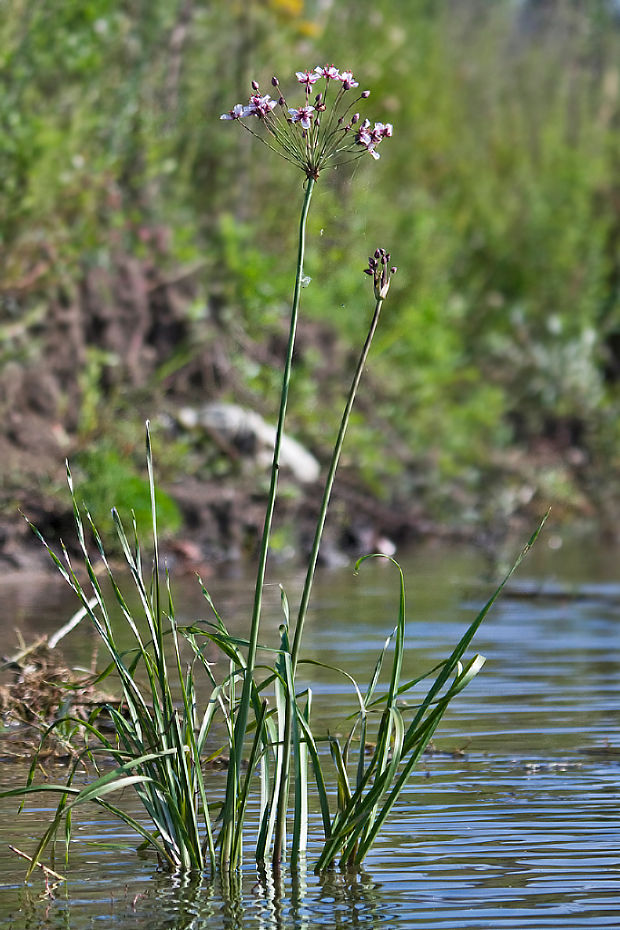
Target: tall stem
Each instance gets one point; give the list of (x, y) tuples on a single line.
[(307, 589), (235, 767), (329, 483)]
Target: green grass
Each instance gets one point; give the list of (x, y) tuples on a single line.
[(158, 746)]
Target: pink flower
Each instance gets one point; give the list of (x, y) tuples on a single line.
[(237, 112), (370, 138), (383, 130), (260, 106), (348, 81), (307, 77), (328, 72), (366, 137), (364, 133), (303, 115)]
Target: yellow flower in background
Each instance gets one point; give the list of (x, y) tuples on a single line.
[(287, 7), (309, 29)]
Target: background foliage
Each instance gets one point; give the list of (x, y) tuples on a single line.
[(498, 195)]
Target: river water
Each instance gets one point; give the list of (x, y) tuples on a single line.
[(513, 823)]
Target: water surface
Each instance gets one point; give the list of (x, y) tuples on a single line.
[(513, 823)]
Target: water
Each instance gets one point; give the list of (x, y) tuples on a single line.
[(514, 824)]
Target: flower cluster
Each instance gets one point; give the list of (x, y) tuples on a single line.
[(380, 271), (370, 138), (322, 129)]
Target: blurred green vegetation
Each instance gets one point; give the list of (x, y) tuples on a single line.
[(113, 481), (499, 197)]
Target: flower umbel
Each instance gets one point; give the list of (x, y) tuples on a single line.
[(380, 271), (319, 131)]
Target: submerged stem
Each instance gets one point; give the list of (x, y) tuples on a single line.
[(235, 767)]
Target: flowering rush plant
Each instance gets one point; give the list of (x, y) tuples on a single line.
[(325, 127), (159, 746)]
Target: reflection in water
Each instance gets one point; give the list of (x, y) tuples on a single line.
[(273, 901), (182, 902), (231, 900), (337, 899), (353, 898), (46, 909)]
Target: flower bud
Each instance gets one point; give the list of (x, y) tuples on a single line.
[(380, 272), (254, 85), (275, 82), (365, 94)]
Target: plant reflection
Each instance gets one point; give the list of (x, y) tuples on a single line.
[(336, 899), (270, 902)]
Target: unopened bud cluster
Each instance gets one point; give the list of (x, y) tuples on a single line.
[(322, 129), (380, 271)]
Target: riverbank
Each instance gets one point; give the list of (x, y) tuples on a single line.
[(125, 345)]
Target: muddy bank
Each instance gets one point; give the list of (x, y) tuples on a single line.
[(90, 361), (120, 347)]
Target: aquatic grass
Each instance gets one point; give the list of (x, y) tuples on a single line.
[(162, 744), (399, 746), (368, 785), (159, 747)]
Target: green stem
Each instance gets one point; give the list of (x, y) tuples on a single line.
[(235, 767), (329, 482), (307, 589)]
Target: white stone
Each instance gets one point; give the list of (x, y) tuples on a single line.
[(234, 423)]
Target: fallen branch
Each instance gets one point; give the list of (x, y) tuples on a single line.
[(49, 873), (70, 624)]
